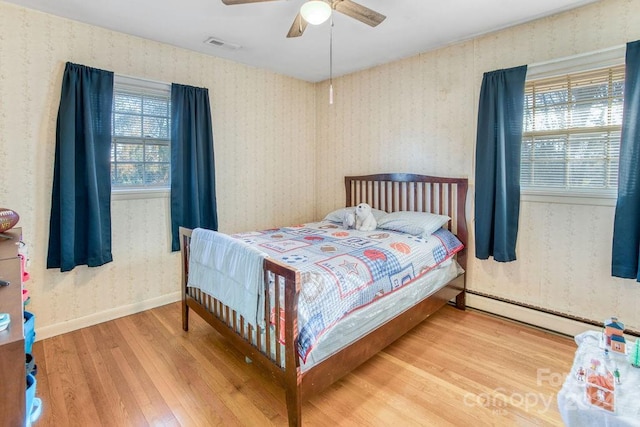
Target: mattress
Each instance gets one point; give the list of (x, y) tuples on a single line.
[(361, 322), (351, 280), (365, 320)]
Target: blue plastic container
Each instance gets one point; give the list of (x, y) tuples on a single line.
[(34, 404), (29, 331)]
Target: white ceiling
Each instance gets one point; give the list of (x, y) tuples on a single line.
[(411, 27)]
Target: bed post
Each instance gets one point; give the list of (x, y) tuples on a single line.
[(294, 405), (293, 376), (463, 234), (461, 300), (185, 238), (185, 313)]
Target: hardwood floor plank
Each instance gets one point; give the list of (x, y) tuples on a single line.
[(108, 348), (139, 380), (109, 411), (161, 375), (184, 374), (262, 394), (52, 390), (456, 368), (395, 404)]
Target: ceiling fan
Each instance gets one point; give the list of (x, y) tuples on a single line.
[(347, 7)]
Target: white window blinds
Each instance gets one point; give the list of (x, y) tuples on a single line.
[(571, 138), (140, 149)]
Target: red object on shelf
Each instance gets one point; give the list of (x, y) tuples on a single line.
[(23, 263)]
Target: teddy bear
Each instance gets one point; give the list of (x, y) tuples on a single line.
[(349, 218), (365, 221)]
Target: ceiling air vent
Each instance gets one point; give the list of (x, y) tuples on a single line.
[(213, 41)]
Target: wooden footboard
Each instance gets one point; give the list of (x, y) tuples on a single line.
[(255, 343), (390, 192)]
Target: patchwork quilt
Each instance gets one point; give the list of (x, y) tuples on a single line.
[(344, 270)]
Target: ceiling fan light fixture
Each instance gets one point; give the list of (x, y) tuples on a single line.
[(315, 12)]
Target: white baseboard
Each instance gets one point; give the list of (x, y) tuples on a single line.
[(104, 316), (532, 317)]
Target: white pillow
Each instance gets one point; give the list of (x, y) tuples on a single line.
[(416, 223), (338, 215)]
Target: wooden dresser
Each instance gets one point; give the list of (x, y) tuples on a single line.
[(12, 356)]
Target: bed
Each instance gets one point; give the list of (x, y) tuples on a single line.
[(274, 348)]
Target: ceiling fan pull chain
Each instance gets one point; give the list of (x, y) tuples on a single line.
[(331, 60)]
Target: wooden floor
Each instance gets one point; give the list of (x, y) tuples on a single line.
[(457, 368)]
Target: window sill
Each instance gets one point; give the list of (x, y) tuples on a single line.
[(140, 193), (591, 199)]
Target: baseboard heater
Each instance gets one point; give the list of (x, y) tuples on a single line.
[(552, 320)]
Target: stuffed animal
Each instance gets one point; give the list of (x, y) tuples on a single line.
[(349, 219), (365, 221)]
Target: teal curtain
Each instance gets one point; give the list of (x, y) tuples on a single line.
[(80, 221), (626, 229), (193, 186), (498, 146)]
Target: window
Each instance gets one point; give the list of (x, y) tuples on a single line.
[(571, 133), (141, 135)]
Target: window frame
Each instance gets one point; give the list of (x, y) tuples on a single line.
[(140, 87), (570, 65)]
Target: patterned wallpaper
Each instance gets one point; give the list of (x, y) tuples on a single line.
[(276, 138), (419, 115), (264, 136)]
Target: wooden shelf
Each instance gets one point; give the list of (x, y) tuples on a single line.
[(12, 357)]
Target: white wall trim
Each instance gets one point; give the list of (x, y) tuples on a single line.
[(140, 193), (566, 199), (603, 58), (104, 316)]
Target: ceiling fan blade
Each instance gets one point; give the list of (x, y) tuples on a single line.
[(232, 2), (359, 12), (298, 27)]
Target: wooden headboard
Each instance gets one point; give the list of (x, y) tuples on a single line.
[(419, 193)]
